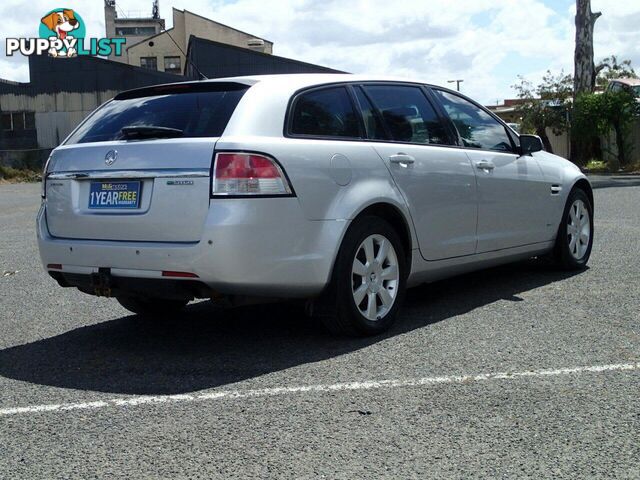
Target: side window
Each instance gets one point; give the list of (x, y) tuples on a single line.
[(325, 113), (372, 123), (476, 127), (408, 115)]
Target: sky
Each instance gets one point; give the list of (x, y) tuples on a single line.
[(488, 43)]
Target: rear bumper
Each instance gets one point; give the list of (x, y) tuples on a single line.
[(248, 247), (114, 286)]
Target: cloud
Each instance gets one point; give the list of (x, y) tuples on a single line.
[(488, 43)]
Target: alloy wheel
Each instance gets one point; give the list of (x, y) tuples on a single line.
[(578, 229), (375, 277)]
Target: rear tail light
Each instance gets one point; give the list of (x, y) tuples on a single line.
[(43, 185), (248, 174)]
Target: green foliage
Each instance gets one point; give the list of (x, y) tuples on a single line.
[(590, 117), (587, 120), (598, 166), (18, 174), (611, 68), (598, 115), (545, 105)]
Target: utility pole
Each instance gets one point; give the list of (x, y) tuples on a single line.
[(457, 82)]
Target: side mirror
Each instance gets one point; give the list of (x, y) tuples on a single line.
[(530, 144)]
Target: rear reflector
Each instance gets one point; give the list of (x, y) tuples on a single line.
[(54, 266), (248, 174), (167, 273)]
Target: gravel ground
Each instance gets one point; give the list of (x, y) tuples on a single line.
[(60, 347)]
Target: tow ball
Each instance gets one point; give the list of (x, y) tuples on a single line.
[(102, 282)]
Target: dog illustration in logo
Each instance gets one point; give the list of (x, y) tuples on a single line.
[(62, 23)]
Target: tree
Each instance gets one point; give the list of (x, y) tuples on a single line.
[(545, 106), (597, 115), (610, 68), (584, 75)]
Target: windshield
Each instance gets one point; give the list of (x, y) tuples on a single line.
[(194, 114), (636, 90)]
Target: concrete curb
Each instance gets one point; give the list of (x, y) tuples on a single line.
[(606, 181)]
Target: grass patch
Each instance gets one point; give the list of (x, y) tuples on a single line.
[(18, 175), (633, 168), (597, 166)]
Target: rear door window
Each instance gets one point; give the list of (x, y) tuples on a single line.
[(476, 128), (372, 122), (193, 111), (328, 112), (407, 114)]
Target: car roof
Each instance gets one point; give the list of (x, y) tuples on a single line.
[(290, 82), (310, 79), (632, 82)]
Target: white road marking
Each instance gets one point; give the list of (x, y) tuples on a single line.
[(336, 387)]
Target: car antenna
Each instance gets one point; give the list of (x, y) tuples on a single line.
[(202, 75)]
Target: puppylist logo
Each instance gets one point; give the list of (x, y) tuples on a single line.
[(62, 34)]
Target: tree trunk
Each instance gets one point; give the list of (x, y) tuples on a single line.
[(621, 158), (542, 133), (584, 77)]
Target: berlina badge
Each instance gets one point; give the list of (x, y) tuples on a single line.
[(111, 157)]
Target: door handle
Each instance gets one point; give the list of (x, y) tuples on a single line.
[(402, 159), (485, 165)]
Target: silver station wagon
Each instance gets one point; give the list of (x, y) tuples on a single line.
[(339, 189)]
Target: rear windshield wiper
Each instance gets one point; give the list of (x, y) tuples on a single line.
[(150, 131)]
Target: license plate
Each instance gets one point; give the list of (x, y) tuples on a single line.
[(114, 195)]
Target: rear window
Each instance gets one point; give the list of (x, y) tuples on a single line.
[(199, 113)]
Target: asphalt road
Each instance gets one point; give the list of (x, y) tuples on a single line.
[(515, 372)]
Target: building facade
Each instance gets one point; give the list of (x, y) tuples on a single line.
[(150, 45), (37, 116), (134, 29)]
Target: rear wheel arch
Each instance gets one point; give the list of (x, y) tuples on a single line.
[(339, 307), (392, 215)]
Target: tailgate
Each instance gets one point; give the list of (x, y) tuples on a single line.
[(154, 191)]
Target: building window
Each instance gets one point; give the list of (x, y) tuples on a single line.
[(29, 120), (7, 124), (135, 31), (149, 62), (172, 65), (18, 121)]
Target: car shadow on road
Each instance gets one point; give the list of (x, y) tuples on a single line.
[(209, 347)]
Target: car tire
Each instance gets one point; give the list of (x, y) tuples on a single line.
[(152, 307), (575, 234), (368, 281)]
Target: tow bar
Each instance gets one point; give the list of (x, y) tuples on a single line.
[(102, 282)]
